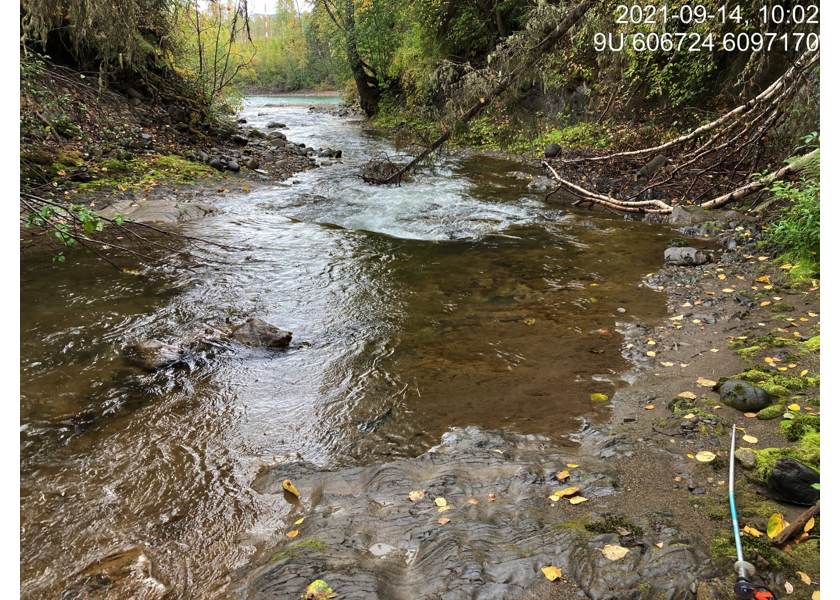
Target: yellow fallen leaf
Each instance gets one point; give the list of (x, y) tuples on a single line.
[(706, 382), (768, 287), (651, 343), (498, 451), (562, 475), (765, 303), (593, 285), (706, 456), (750, 415), (690, 456), (287, 485), (804, 577), (815, 595), (793, 407), (721, 276), (649, 407), (660, 544), (568, 491), (554, 497), (782, 368), (577, 500), (677, 317), (763, 278), (695, 321), (299, 521), (803, 373), (444, 520), (444, 508), (491, 497), (813, 314), (803, 319), (713, 350), (689, 395), (292, 534), (650, 353), (750, 439), (530, 321), (786, 266), (440, 501), (472, 501), (718, 406), (614, 552), (710, 293), (551, 573), (686, 305), (777, 298), (740, 429), (417, 495), (753, 532), (768, 360), (683, 365), (775, 525), (809, 525), (763, 258), (571, 466), (730, 290), (667, 364)]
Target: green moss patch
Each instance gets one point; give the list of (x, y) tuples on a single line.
[(146, 172), (771, 412), (806, 451), (293, 552)]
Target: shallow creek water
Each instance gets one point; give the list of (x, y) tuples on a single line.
[(458, 299)]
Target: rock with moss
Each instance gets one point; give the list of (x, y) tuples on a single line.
[(771, 412), (791, 481), (744, 396), (746, 457)]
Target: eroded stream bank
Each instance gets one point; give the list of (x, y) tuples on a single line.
[(460, 300)]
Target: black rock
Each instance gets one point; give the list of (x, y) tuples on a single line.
[(552, 151), (256, 332), (791, 481), (275, 124), (252, 163), (744, 396), (216, 164), (203, 156), (232, 165), (239, 140), (337, 154), (243, 120)]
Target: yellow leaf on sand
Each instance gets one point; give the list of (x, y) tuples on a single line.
[(750, 439), (614, 552), (763, 258), (444, 508), (577, 500), (721, 276), (571, 466), (491, 497), (660, 544), (299, 521), (554, 497), (690, 455), (650, 353), (444, 520), (498, 451), (768, 360), (793, 407), (713, 350), (649, 407), (417, 495), (689, 395), (569, 491), (750, 415), (287, 485), (763, 279), (815, 595), (775, 525), (472, 501), (730, 290), (813, 314), (562, 475), (551, 573), (765, 303), (530, 321), (667, 364), (440, 501), (292, 534), (696, 321), (753, 532), (706, 382), (804, 577), (706, 456)]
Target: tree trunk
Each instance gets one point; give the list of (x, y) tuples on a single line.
[(366, 85)]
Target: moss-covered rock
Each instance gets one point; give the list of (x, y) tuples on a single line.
[(771, 412)]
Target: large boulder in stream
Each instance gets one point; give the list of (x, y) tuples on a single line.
[(501, 529)]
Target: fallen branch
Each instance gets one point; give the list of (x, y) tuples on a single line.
[(789, 531)]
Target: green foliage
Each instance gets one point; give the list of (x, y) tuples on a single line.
[(806, 451), (583, 136), (797, 232)]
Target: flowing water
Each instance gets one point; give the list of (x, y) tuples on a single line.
[(458, 299)]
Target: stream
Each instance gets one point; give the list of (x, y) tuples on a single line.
[(458, 299)]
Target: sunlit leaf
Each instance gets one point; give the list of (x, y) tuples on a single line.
[(614, 552), (571, 466), (649, 407), (472, 501), (706, 456), (568, 491), (292, 534), (765, 303), (809, 525), (551, 573), (775, 525), (750, 415), (650, 353), (554, 497), (752, 531), (598, 397), (750, 439), (417, 495), (730, 290), (763, 278), (440, 501), (444, 520), (562, 475), (578, 500), (319, 590), (299, 521), (659, 545), (444, 508), (706, 382), (688, 395), (491, 497), (793, 407), (804, 577)]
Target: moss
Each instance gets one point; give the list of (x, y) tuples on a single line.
[(599, 397), (714, 508), (578, 525), (775, 391), (678, 242), (766, 378), (612, 523), (292, 552), (806, 451), (147, 171), (749, 352), (798, 428), (813, 344), (771, 412), (772, 341), (780, 307)]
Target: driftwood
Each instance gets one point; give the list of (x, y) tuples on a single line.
[(791, 530)]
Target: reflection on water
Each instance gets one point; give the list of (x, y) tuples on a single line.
[(459, 299)]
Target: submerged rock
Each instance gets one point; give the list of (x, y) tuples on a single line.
[(500, 532), (125, 574), (256, 332), (154, 354)]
